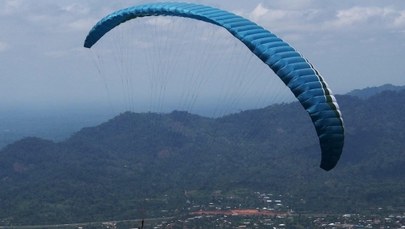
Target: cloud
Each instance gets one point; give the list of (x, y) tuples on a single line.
[(160, 21), (286, 18), (362, 18), (288, 23), (399, 21), (3, 46), (360, 15), (84, 24), (267, 15), (259, 11), (45, 15), (10, 6), (316, 18), (62, 53), (76, 8)]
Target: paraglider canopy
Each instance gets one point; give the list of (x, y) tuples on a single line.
[(291, 67)]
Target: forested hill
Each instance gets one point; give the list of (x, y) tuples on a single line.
[(104, 171)]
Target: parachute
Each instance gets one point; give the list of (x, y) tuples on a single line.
[(291, 67)]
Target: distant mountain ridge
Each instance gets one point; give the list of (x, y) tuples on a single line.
[(371, 91), (113, 167), (59, 126)]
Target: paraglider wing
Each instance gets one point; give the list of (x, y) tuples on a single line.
[(292, 68)]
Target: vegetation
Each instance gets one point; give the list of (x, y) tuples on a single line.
[(156, 164)]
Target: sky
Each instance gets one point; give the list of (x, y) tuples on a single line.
[(354, 44)]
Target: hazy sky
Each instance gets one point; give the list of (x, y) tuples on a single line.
[(354, 44)]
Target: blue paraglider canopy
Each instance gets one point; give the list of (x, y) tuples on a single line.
[(290, 66)]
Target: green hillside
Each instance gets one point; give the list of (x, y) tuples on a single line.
[(164, 161)]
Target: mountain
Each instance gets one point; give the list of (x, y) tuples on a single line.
[(56, 125), (162, 161), (370, 91), (59, 125)]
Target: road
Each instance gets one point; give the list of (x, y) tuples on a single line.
[(76, 225)]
